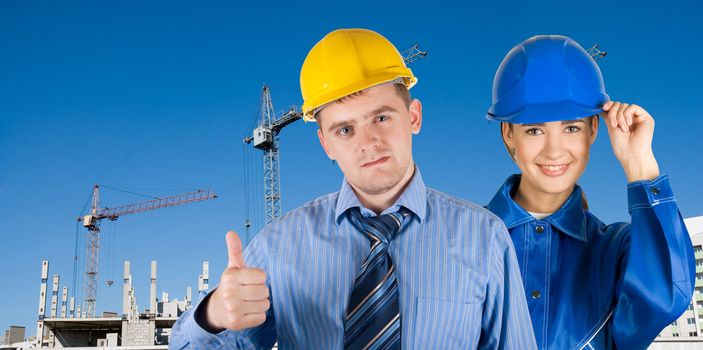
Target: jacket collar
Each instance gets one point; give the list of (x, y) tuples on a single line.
[(570, 218)]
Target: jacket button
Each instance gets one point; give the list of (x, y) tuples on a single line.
[(655, 191), (539, 229), (536, 294)]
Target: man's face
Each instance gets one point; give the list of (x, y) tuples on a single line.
[(370, 137)]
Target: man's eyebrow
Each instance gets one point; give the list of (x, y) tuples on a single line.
[(379, 110), (375, 112), (339, 124)]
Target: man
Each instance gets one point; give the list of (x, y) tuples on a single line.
[(385, 261)]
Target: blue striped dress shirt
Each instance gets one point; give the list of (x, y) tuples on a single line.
[(459, 282)]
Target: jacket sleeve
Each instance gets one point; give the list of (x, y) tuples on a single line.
[(506, 320), (188, 333), (658, 268)]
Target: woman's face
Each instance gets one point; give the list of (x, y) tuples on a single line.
[(552, 156)]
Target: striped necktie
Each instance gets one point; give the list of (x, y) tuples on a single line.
[(373, 317)]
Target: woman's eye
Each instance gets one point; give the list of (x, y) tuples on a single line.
[(572, 129), (534, 131)]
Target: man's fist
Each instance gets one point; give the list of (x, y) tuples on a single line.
[(242, 298)]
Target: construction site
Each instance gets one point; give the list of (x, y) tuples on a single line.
[(67, 317), (71, 323), (67, 325)]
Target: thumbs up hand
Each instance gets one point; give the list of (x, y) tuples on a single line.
[(242, 298)]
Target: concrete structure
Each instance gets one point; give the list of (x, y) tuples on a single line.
[(13, 335), (685, 332), (64, 296), (152, 292), (172, 308), (42, 301), (139, 332), (125, 290), (130, 330), (204, 280), (72, 307), (54, 296)]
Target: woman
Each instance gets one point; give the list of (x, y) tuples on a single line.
[(588, 285)]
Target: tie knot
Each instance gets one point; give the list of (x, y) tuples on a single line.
[(382, 227)]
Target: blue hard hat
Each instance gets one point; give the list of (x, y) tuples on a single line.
[(547, 78)]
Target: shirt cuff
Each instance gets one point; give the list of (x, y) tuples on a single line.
[(196, 333), (649, 193)]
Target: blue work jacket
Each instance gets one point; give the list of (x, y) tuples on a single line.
[(595, 286)]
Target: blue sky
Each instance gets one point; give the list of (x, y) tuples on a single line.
[(159, 94)]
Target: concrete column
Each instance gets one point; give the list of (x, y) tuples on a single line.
[(206, 275), (164, 297), (189, 297), (40, 333), (72, 308), (42, 290), (152, 292), (64, 296), (55, 296), (42, 302), (125, 290), (133, 308)]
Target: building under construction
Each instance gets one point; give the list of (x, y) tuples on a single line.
[(66, 325)]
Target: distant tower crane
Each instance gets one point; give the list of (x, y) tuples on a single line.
[(596, 53), (265, 138), (92, 223)]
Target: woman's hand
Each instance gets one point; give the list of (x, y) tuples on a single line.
[(631, 129)]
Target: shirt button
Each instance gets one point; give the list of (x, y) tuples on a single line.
[(536, 294), (655, 191), (539, 229)]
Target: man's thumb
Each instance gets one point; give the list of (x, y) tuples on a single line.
[(234, 250)]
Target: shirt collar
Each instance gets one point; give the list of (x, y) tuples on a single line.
[(414, 197), (570, 218)]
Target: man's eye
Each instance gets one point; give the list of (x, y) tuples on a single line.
[(344, 131), (382, 118), (534, 131)]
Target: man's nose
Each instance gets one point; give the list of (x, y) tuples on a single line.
[(368, 139)]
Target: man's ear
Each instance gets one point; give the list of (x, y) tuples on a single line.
[(324, 145), (415, 115)]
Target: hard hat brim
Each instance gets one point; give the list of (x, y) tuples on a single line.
[(314, 104), (547, 112)]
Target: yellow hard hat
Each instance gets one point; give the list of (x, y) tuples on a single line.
[(346, 61)]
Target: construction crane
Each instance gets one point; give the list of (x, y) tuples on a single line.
[(97, 213), (596, 53), (265, 138)]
